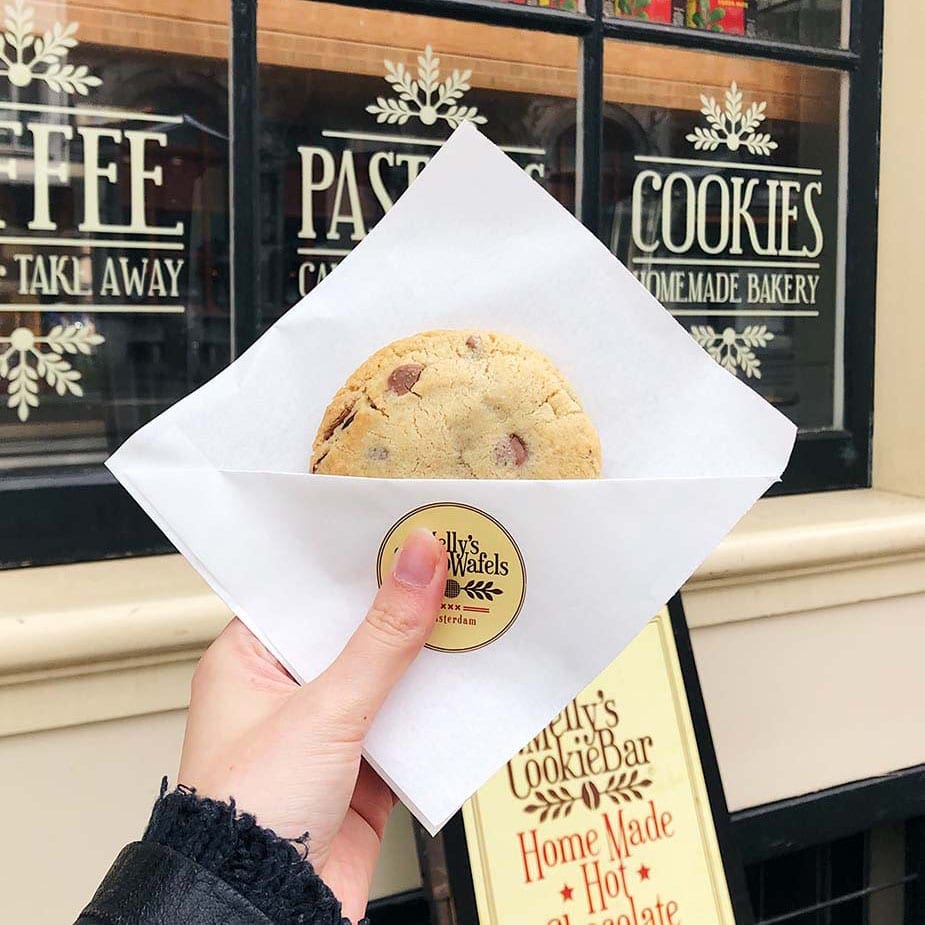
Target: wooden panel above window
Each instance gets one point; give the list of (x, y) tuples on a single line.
[(310, 35)]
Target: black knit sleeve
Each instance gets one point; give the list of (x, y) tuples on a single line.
[(270, 872)]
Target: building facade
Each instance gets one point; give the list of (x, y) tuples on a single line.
[(173, 178)]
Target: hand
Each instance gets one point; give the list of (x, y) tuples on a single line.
[(290, 755)]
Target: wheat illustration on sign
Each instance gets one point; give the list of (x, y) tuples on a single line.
[(559, 801), (425, 97), (732, 126), (734, 350), (33, 364), (25, 57)]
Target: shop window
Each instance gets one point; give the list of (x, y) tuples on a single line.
[(861, 879), (347, 125), (704, 142), (113, 257), (722, 186), (804, 22), (567, 5)]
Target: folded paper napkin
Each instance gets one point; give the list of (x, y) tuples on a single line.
[(687, 449)]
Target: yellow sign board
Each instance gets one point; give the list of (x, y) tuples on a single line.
[(604, 818)]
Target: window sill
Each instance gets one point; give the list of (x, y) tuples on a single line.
[(809, 552), (122, 636)]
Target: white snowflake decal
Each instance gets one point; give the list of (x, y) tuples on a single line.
[(734, 350), (732, 127), (425, 98), (25, 348), (46, 53)]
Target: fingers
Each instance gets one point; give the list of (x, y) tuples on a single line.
[(237, 680), (237, 657), (372, 799), (236, 687), (387, 641)]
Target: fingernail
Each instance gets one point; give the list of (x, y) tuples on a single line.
[(417, 560)]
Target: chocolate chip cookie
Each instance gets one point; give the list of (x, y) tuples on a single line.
[(457, 405)]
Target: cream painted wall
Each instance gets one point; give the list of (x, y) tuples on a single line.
[(899, 420), (805, 701), (73, 797)]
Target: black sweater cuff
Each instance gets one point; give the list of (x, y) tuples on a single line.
[(268, 871)]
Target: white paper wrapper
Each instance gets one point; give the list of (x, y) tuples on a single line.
[(475, 243)]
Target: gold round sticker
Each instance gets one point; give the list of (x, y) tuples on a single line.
[(486, 580)]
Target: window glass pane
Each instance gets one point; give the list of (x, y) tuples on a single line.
[(724, 194), (114, 234), (573, 6), (667, 12), (887, 863), (805, 22), (813, 886), (856, 880), (353, 105)]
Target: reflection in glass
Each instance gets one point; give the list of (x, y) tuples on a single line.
[(113, 248), (808, 22), (721, 186), (340, 146), (571, 6), (823, 883), (804, 22)]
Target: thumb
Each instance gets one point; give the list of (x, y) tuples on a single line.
[(390, 637)]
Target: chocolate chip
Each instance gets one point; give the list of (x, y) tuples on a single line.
[(403, 378), (473, 342), (342, 418), (377, 453), (511, 451)]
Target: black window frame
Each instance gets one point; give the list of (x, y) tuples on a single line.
[(87, 515), (766, 832)]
